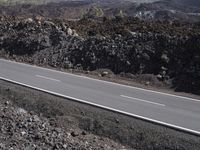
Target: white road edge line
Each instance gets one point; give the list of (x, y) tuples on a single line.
[(142, 100), (39, 76), (109, 108), (109, 82)]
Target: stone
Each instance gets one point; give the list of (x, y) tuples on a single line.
[(104, 73), (74, 133), (165, 58), (84, 133), (21, 111), (7, 103), (29, 20), (159, 77), (69, 31), (147, 83), (23, 133)]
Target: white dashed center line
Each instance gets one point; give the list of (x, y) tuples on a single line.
[(137, 99), (39, 76)]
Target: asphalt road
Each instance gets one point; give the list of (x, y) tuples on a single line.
[(175, 111)]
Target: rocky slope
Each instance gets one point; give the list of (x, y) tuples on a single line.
[(62, 10), (23, 130), (182, 10), (170, 51)]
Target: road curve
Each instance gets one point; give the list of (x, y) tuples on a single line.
[(171, 110)]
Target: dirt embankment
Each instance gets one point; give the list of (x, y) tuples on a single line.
[(167, 52)]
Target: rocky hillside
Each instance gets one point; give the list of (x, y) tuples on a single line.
[(63, 10), (48, 1), (35, 2), (170, 51), (21, 129), (182, 10)]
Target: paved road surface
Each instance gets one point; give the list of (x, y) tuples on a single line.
[(176, 111)]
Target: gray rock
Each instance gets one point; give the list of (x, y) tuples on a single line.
[(74, 133)]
